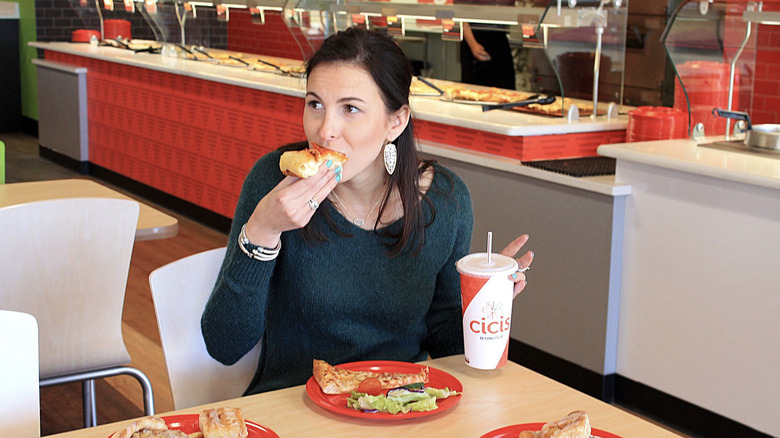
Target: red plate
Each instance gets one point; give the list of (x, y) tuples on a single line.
[(514, 430), (337, 403), (189, 424)]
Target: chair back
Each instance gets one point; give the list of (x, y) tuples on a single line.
[(66, 262), (19, 394), (180, 291)]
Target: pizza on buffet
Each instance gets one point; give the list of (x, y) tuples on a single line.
[(492, 94), (336, 380), (419, 87), (498, 95)]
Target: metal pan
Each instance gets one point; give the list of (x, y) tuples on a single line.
[(764, 136)]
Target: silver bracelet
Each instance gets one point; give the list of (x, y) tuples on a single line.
[(259, 252)]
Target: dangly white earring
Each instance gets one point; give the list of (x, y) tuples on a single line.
[(391, 157)]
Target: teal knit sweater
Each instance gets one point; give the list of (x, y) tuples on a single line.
[(343, 300)]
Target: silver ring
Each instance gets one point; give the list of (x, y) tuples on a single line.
[(313, 204), (521, 270)]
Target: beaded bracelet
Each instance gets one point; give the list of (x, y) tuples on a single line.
[(259, 252)]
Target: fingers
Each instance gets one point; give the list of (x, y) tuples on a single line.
[(515, 245), (519, 277), (291, 204), (314, 190), (523, 263), (295, 187), (325, 181), (519, 286)]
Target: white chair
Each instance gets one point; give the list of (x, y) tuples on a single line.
[(180, 291), (66, 262), (19, 394)]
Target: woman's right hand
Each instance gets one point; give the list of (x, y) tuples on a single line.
[(287, 206)]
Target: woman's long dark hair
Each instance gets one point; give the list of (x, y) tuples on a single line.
[(391, 70)]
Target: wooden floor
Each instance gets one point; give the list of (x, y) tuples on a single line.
[(118, 398)]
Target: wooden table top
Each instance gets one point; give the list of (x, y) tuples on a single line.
[(491, 400), (152, 223)]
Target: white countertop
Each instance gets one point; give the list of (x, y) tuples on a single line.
[(687, 156), (512, 123)]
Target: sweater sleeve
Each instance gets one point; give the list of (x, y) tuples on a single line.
[(233, 321), (444, 318)]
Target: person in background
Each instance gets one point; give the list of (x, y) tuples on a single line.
[(485, 54), (356, 262)]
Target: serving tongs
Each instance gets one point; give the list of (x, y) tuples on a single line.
[(148, 48), (190, 51), (281, 70), (236, 58), (271, 64), (120, 43), (116, 43), (183, 47), (430, 84), (535, 99), (203, 51)]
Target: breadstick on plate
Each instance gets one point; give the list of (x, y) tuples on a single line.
[(146, 423), (223, 423)]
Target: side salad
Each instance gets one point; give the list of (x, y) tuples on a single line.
[(401, 400)]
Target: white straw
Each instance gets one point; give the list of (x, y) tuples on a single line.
[(490, 247)]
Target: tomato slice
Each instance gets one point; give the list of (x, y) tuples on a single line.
[(371, 386)]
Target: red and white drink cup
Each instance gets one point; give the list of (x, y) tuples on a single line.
[(487, 292)]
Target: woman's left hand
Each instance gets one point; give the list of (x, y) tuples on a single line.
[(523, 263)]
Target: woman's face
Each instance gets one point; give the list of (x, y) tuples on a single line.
[(344, 111)]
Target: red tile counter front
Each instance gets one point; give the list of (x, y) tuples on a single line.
[(531, 148), (191, 138)]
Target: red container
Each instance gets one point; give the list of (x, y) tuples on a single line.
[(117, 28), (707, 86), (648, 123), (84, 35)]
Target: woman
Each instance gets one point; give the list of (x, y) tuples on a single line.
[(353, 263)]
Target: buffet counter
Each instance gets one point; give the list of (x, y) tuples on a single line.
[(192, 130), (699, 298), (426, 108), (131, 89)]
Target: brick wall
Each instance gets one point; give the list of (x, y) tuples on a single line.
[(273, 38), (766, 97), (55, 20)]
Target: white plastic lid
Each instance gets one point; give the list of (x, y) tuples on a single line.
[(477, 264)]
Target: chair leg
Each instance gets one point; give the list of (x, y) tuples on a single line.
[(146, 386), (90, 410), (88, 386)]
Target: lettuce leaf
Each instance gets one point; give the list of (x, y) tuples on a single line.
[(399, 400)]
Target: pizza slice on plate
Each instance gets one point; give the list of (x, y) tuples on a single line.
[(336, 380)]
